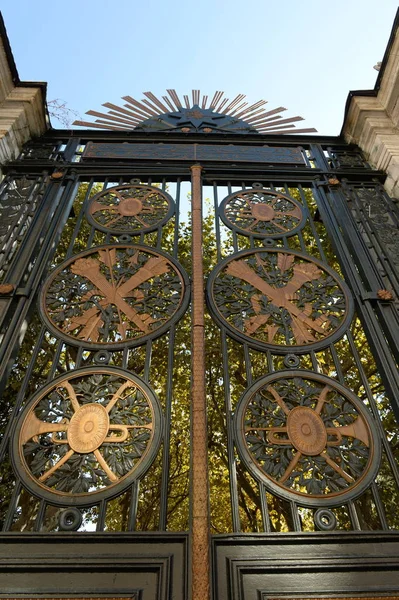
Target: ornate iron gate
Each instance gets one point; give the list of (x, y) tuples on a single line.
[(282, 380)]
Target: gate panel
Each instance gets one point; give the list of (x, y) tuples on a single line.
[(50, 351), (249, 470)]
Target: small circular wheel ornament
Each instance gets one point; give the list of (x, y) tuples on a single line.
[(70, 519), (87, 436), (130, 209), (279, 300), (324, 519), (114, 296), (262, 213), (307, 438)]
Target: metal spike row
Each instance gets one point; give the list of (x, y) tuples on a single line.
[(135, 112)]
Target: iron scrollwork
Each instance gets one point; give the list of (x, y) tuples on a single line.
[(280, 300), (307, 438), (114, 296), (262, 213), (130, 209), (87, 435)]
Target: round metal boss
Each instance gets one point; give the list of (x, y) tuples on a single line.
[(87, 436), (130, 209), (262, 213), (291, 361), (70, 519), (114, 296), (324, 519), (280, 300), (307, 438)]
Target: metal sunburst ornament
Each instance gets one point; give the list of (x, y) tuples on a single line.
[(220, 115)]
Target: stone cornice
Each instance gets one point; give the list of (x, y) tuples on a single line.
[(372, 117), (23, 113)]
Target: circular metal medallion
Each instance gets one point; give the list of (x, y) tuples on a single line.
[(307, 438), (87, 435), (262, 213), (114, 296), (280, 300), (130, 209)]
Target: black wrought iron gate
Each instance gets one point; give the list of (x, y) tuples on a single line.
[(258, 429)]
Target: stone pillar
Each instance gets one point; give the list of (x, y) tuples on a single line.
[(23, 112)]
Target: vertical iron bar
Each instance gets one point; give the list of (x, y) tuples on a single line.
[(353, 515), (295, 516), (379, 506), (166, 444), (40, 515), (200, 560), (230, 436), (102, 508), (264, 508), (11, 509), (134, 500)]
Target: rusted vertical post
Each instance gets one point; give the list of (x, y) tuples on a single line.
[(199, 447)]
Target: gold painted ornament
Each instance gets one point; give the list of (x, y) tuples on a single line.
[(87, 435)]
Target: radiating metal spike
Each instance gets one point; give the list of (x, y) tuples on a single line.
[(156, 101), (233, 103), (154, 109), (175, 98), (239, 107), (259, 112), (310, 130), (219, 108), (215, 99), (266, 114), (123, 111), (272, 129), (116, 126), (291, 120), (253, 107), (87, 124), (94, 113), (196, 96), (131, 120), (186, 101), (168, 102), (142, 107)]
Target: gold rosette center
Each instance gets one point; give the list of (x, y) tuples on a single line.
[(306, 431), (88, 428), (130, 207), (263, 212)]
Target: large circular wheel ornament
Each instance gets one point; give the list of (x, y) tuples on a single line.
[(87, 435), (280, 300), (262, 213), (307, 438), (130, 209), (114, 296)]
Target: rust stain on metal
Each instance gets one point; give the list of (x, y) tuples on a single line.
[(199, 468)]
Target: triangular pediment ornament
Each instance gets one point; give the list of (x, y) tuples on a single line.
[(196, 115)]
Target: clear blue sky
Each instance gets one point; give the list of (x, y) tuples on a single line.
[(305, 56)]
